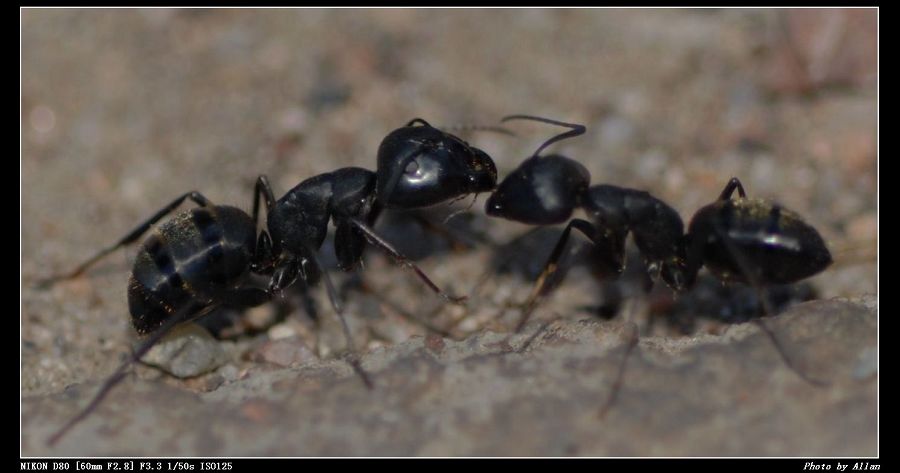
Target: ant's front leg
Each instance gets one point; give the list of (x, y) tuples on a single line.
[(263, 261), (610, 242), (733, 184), (262, 188), (400, 259)]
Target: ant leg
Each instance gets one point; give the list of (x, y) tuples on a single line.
[(377, 208), (733, 184), (131, 237), (339, 310), (263, 256), (265, 189), (457, 242), (576, 129), (381, 243), (752, 277), (620, 374), (419, 121), (185, 315), (349, 244), (395, 307), (551, 267), (543, 328)]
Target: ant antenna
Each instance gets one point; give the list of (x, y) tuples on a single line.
[(576, 129), (463, 128), (467, 128)]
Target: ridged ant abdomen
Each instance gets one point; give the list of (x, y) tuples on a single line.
[(753, 241), (199, 257)]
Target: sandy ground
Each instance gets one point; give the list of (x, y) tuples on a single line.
[(124, 109)]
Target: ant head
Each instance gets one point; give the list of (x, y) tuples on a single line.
[(420, 166), (541, 191)]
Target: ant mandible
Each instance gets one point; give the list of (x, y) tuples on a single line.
[(201, 259)]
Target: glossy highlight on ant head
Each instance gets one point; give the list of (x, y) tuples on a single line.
[(420, 166)]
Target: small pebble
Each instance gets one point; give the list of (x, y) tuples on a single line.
[(187, 352), (434, 343), (284, 352)]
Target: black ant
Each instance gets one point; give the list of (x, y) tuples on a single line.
[(202, 259), (753, 241), (545, 190)]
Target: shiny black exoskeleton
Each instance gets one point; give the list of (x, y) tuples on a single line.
[(545, 190), (745, 240), (198, 258), (419, 166), (203, 258), (753, 241)]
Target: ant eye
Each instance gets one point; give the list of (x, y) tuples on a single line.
[(412, 168)]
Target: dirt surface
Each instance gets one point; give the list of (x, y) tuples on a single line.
[(122, 110)]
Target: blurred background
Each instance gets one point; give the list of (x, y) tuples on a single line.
[(123, 109)]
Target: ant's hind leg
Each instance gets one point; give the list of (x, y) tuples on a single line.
[(733, 184), (631, 342), (751, 273), (418, 121), (262, 188), (131, 237)]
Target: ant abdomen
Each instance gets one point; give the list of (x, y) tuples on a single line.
[(194, 258), (774, 244)]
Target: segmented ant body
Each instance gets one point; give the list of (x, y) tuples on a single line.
[(203, 258), (545, 190), (739, 240)]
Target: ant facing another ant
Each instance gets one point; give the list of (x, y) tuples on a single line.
[(201, 259), (745, 240)]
